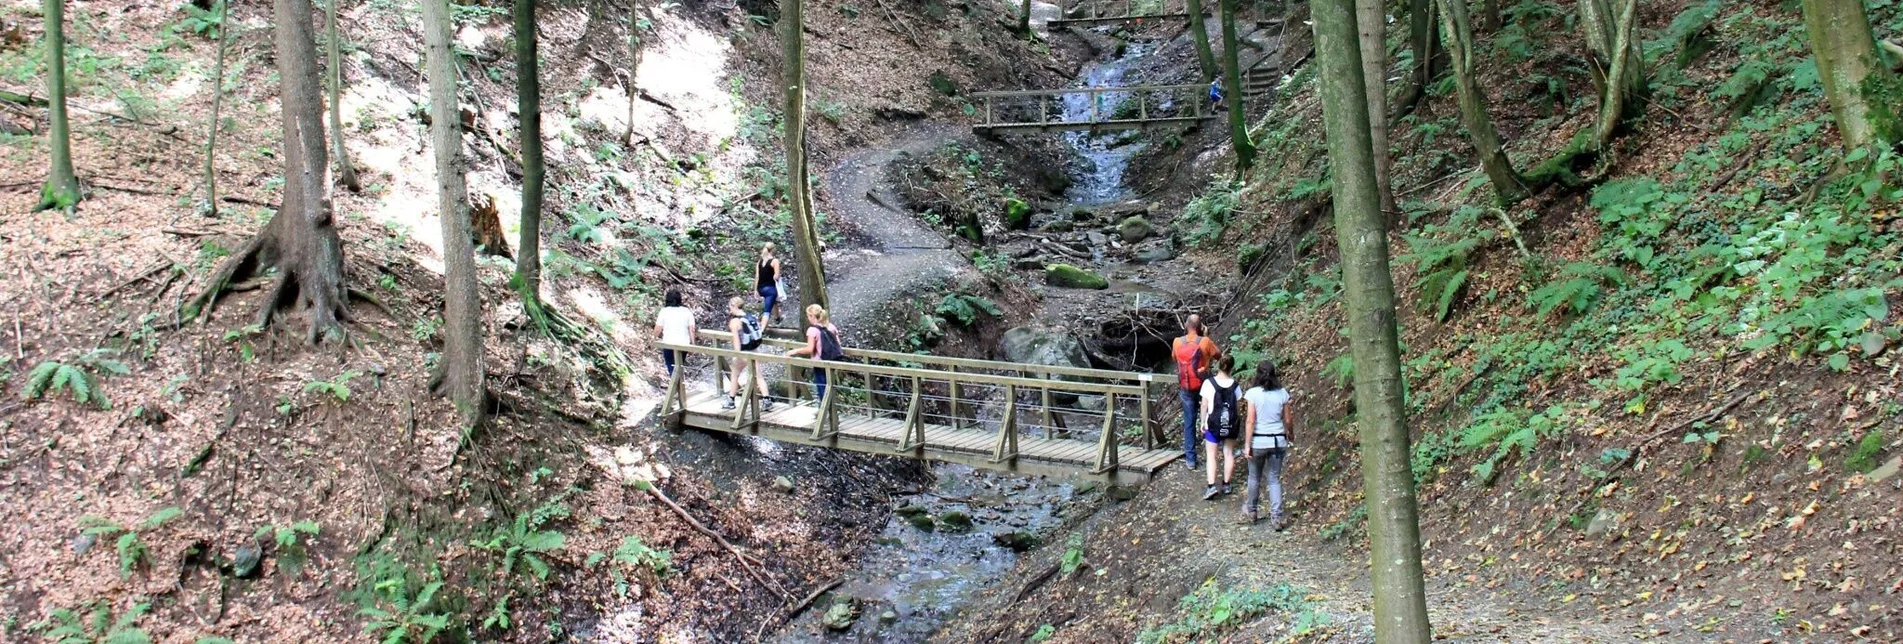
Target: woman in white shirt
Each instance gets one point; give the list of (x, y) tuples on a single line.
[(1271, 434), (1222, 424), (675, 325)]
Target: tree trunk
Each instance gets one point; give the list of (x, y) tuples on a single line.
[(1199, 34), (528, 88), (461, 377), (1371, 25), (1863, 94), (1024, 20), (217, 101), (1422, 36), (62, 186), (333, 47), (1490, 15), (635, 25), (1400, 598), (1615, 62), (301, 241), (812, 274), (1232, 77), (1508, 186)]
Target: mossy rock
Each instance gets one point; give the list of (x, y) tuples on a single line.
[(1016, 541), (1134, 229), (911, 510), (841, 615), (955, 521), (942, 84), (922, 522), (1017, 214), (1067, 276), (1059, 226)]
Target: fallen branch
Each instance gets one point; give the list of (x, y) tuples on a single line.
[(22, 99), (746, 562), (794, 610), (1613, 473), (1036, 582), (1894, 49), (142, 276)]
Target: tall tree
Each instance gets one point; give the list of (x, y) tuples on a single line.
[(1232, 78), (1199, 34), (217, 101), (62, 186), (1024, 20), (1490, 15), (1863, 94), (461, 376), (1394, 535), (805, 231), (301, 240), (528, 93), (1423, 34), (1508, 185), (333, 46), (1616, 64), (636, 25), (1371, 24)]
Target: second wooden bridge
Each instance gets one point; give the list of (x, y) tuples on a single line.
[(1100, 109), (1033, 419)]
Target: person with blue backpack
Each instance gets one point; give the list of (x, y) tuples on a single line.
[(748, 333), (822, 343)]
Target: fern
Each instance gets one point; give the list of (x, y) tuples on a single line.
[(406, 622), (1342, 370), (67, 626), (524, 541), (1580, 286), (1443, 271), (77, 377), (966, 309), (130, 544), (1507, 431), (338, 387)]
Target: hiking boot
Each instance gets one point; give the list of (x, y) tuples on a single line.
[(1278, 523), (1191, 464), (1225, 489), (1209, 492), (766, 404), (728, 404), (1247, 518)]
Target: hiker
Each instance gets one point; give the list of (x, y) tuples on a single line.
[(1193, 354), (675, 325), (766, 280), (1215, 94), (822, 343), (1271, 434), (748, 333), (1222, 428)]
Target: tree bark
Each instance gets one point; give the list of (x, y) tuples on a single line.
[(1490, 15), (1508, 185), (461, 376), (1371, 26), (1199, 34), (528, 88), (1400, 597), (301, 240), (1615, 61), (1422, 35), (1232, 77), (217, 101), (62, 185), (1024, 20), (333, 48), (635, 25), (812, 274), (1863, 93)]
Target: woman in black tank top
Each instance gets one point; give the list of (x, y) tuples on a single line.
[(766, 279)]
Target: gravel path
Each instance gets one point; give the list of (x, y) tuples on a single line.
[(888, 254)]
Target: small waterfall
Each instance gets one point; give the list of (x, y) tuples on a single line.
[(1098, 175)]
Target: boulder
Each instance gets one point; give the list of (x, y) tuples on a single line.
[(1603, 522), (1121, 493), (1030, 263), (840, 616), (782, 485), (1015, 541), (246, 559), (1044, 346), (1067, 276), (955, 521), (1017, 214), (1162, 250), (922, 522), (888, 618), (911, 510), (1134, 229), (1059, 226)]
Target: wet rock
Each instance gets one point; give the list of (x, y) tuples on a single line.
[(1030, 264), (841, 615), (1087, 487), (1134, 229), (246, 559), (1603, 523), (1059, 226), (1015, 541), (1161, 250), (1121, 493), (910, 510), (1096, 239), (1067, 276), (782, 485), (888, 618), (1043, 346), (955, 521), (1090, 403), (922, 522), (1017, 214)]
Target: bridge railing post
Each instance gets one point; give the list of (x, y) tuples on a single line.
[(953, 380), (1108, 444), (1147, 423)]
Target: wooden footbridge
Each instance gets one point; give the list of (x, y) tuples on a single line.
[(1058, 421), (1093, 109), (1087, 13)]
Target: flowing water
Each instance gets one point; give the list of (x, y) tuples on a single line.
[(1102, 158)]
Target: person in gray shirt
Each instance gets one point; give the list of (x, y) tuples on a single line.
[(1271, 434)]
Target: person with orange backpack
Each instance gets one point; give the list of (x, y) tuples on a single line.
[(1194, 354)]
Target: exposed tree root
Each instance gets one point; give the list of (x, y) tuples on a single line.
[(309, 276)]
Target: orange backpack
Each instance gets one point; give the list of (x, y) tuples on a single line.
[(1190, 362)]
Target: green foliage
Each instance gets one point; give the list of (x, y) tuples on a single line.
[(966, 309), (130, 544), (208, 23), (68, 626), (1442, 267), (76, 377), (405, 621), (337, 387), (1206, 217), (1579, 286), (1073, 555), (996, 267), (290, 541), (1507, 430), (1341, 370), (1044, 634), (1210, 610), (1863, 457), (473, 14), (634, 553), (1354, 520), (524, 541)]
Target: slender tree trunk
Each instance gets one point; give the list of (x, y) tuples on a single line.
[(634, 68), (217, 101), (1863, 93), (1371, 26), (1615, 61), (301, 241), (812, 274), (1490, 15), (461, 377), (1422, 36), (1199, 34), (1394, 535), (62, 186), (1508, 185), (528, 88), (1024, 20), (1232, 77), (334, 48)]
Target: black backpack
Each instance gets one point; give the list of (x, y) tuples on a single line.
[(829, 345), (751, 335), (1222, 415)]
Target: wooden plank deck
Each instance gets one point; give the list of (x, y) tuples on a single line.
[(882, 435), (1094, 126)]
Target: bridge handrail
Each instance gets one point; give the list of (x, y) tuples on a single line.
[(726, 338), (1084, 90), (1061, 386)]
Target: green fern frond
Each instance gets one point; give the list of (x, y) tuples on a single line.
[(40, 379)]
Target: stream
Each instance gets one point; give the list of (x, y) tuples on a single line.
[(912, 579)]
